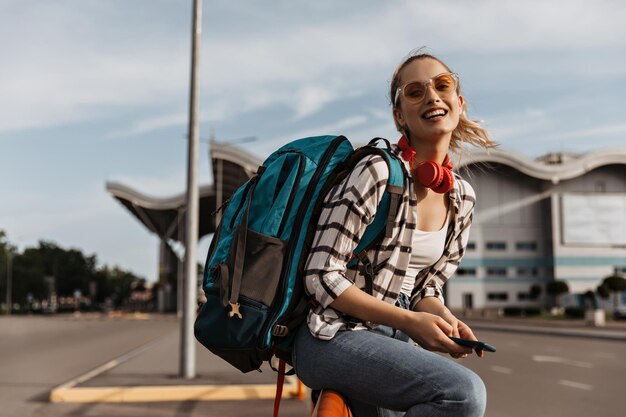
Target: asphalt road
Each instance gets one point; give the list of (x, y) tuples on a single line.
[(529, 375), (550, 376), (39, 353)]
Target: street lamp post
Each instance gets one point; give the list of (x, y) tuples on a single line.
[(188, 353)]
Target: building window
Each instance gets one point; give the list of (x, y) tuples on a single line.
[(527, 272), (466, 272), (620, 270), (471, 245), (526, 246), (496, 245), (497, 272), (497, 296)]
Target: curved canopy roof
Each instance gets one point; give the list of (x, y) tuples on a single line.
[(553, 167), (232, 166), (165, 216)]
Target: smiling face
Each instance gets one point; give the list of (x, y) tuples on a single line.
[(435, 117)]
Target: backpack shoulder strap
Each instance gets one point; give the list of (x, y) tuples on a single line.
[(389, 204), (385, 214)]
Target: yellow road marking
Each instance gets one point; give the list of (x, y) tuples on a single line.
[(169, 393)]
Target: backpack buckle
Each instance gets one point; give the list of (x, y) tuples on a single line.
[(280, 331)]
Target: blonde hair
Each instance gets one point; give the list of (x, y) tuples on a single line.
[(467, 131)]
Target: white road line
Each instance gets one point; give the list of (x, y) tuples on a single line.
[(605, 355), (109, 365), (502, 370), (556, 359), (578, 385)]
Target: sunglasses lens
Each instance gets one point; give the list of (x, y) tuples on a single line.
[(445, 83), (414, 92)]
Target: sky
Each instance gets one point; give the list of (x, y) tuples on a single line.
[(97, 90)]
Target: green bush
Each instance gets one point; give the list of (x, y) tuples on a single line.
[(512, 311), (575, 312), (532, 311), (521, 311)]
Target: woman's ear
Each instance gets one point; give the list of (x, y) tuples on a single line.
[(461, 102), (397, 115)]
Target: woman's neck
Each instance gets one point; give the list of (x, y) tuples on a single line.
[(430, 150)]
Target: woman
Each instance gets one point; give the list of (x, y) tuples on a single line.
[(356, 343)]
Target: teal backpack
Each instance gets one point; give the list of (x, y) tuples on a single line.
[(253, 272)]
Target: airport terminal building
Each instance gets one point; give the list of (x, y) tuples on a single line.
[(558, 217)]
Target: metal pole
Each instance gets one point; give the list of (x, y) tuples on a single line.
[(180, 269), (9, 280), (188, 353), (219, 196)]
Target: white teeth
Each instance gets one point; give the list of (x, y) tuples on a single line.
[(434, 113)]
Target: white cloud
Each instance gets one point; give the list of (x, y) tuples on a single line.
[(57, 214), (163, 184), (518, 124), (591, 133), (60, 71), (151, 124), (337, 126), (311, 99), (509, 25), (77, 79)]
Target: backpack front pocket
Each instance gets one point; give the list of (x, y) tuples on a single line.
[(257, 266)]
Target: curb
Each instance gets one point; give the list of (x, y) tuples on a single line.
[(70, 393), (581, 333)]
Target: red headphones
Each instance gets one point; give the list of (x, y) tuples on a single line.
[(430, 174)]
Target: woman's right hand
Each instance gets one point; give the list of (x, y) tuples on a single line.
[(431, 332)]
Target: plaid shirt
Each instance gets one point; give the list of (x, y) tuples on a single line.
[(348, 208)]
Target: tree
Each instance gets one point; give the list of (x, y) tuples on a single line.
[(535, 291), (603, 291), (590, 299), (7, 255), (557, 288), (122, 284), (71, 270), (615, 284)]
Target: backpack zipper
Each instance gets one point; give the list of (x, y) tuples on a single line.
[(221, 207), (244, 198), (292, 239), (292, 194), (245, 300)]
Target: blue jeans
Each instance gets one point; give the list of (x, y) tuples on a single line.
[(381, 374)]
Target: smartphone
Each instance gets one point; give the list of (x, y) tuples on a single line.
[(474, 344)]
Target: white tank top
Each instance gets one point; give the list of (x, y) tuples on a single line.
[(426, 249)]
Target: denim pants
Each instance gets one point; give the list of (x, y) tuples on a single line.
[(382, 373)]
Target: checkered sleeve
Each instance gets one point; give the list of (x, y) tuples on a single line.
[(347, 209)]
